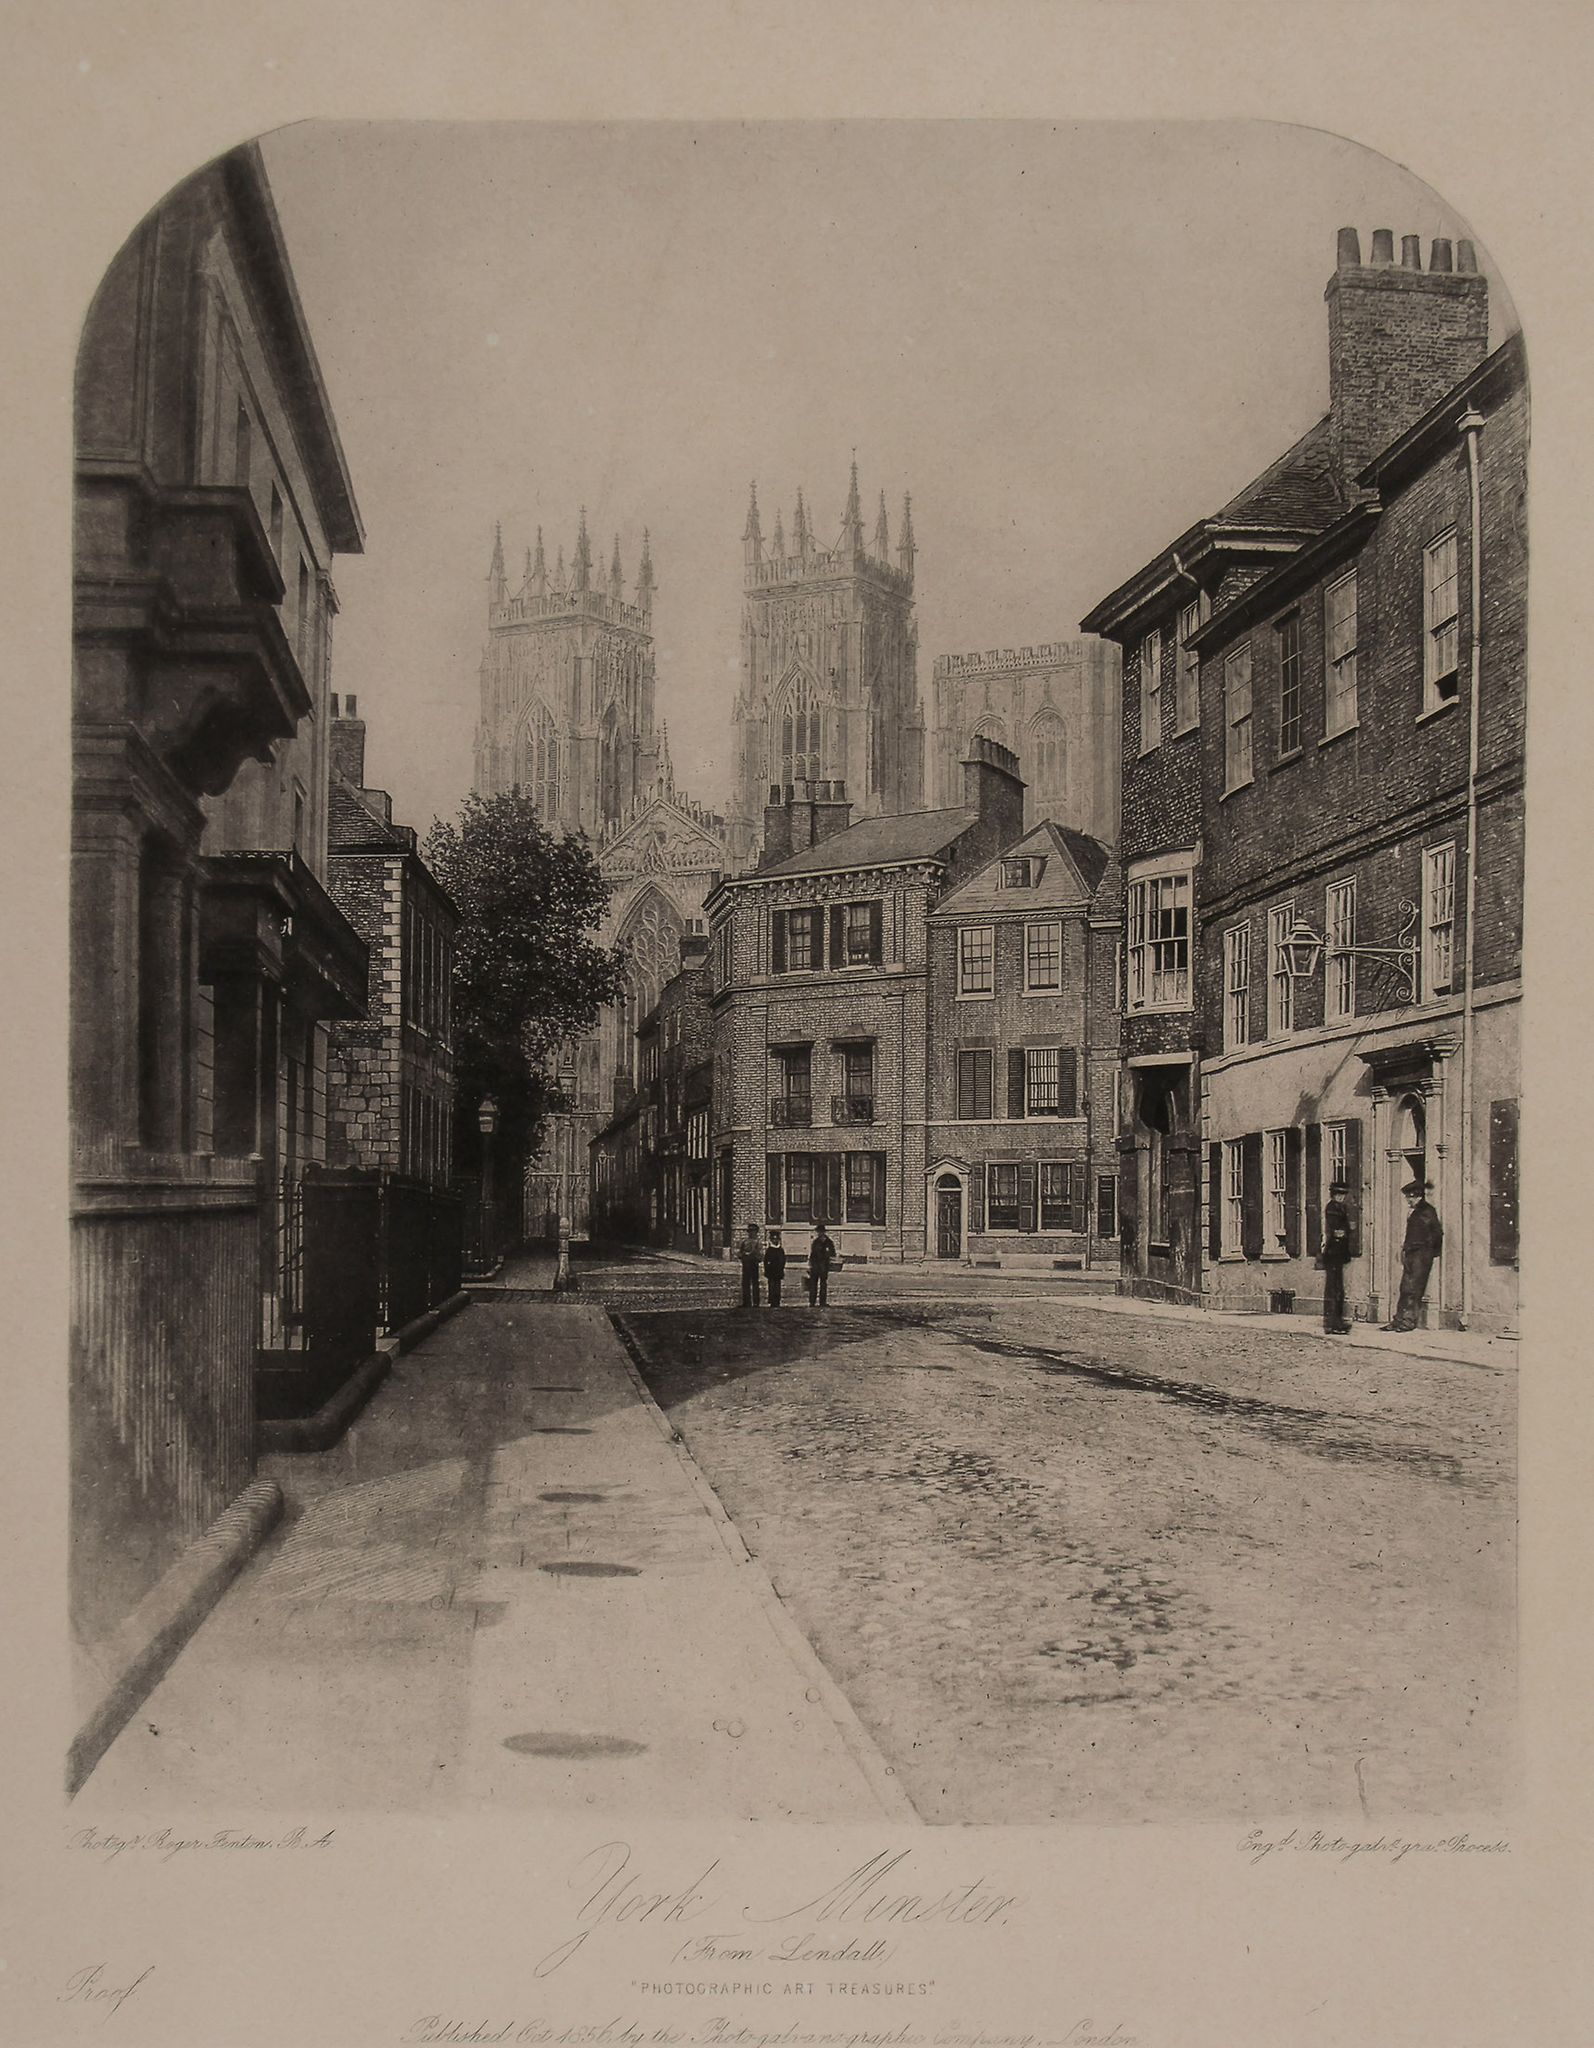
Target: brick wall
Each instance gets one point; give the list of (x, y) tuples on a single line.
[(1365, 803), (762, 1010)]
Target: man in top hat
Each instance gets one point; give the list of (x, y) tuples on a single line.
[(821, 1257), (1424, 1236), (1338, 1247), (774, 1267), (748, 1251)]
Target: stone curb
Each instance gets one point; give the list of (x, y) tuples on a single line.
[(423, 1326), (143, 1648), (882, 1778), (319, 1432)]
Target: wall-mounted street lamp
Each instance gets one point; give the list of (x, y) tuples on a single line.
[(487, 1115), (1301, 950)]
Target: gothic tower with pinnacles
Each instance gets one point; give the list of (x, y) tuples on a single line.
[(567, 687), (829, 678)]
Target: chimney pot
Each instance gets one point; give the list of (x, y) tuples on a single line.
[(1466, 257), (1411, 251), (1383, 245), (350, 710), (334, 703), (1440, 259), (1349, 255)]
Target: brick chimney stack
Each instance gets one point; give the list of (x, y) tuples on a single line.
[(994, 789), (803, 814), (1399, 337), (348, 742)]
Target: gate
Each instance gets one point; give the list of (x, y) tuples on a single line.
[(421, 1240), (340, 1266)]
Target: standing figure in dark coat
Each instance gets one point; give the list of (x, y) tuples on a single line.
[(749, 1251), (1338, 1247), (774, 1267), (1424, 1236), (821, 1257)]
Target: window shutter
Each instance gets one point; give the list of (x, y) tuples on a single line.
[(777, 942), (1026, 1195), (1079, 1195), (1251, 1194), (977, 1199), (1213, 1201), (1503, 1183), (774, 1168), (876, 933), (1015, 1081), (877, 1205), (834, 1212), (965, 1085), (1314, 1190), (838, 936), (1068, 1082), (1292, 1192), (984, 1084), (1353, 1173)]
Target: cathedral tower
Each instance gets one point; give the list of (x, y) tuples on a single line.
[(567, 687), (829, 685)]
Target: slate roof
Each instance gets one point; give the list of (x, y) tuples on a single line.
[(874, 843), (1075, 864), (352, 824), (1301, 488)]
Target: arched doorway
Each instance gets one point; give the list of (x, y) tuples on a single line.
[(1408, 1161), (947, 1211), (949, 1217)]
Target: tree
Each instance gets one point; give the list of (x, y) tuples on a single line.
[(528, 974)]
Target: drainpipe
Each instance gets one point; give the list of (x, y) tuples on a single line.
[(1086, 1103), (1471, 425)]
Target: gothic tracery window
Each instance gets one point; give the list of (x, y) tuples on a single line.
[(1047, 763), (652, 938), (537, 761), (800, 727)]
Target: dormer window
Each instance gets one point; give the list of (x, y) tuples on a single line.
[(1022, 871)]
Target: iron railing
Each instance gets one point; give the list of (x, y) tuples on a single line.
[(785, 1111), (852, 1109)]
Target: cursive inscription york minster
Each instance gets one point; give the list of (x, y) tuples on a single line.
[(613, 1893), (870, 1893)]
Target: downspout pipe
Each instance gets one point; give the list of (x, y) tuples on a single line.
[(1470, 425)]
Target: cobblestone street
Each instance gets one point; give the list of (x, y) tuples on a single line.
[(1073, 1565)]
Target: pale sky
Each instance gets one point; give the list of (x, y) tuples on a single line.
[(1067, 342)]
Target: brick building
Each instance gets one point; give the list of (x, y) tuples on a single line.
[(819, 980), (1322, 763), (1021, 1162), (211, 493), (1380, 804), (391, 1071), (651, 1162), (1055, 707)]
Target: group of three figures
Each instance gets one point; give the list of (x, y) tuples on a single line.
[(1424, 1235), (772, 1259)]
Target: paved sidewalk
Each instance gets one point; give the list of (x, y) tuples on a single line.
[(524, 1272), (1455, 1347), (507, 1587)]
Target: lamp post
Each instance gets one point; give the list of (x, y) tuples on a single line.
[(487, 1124)]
